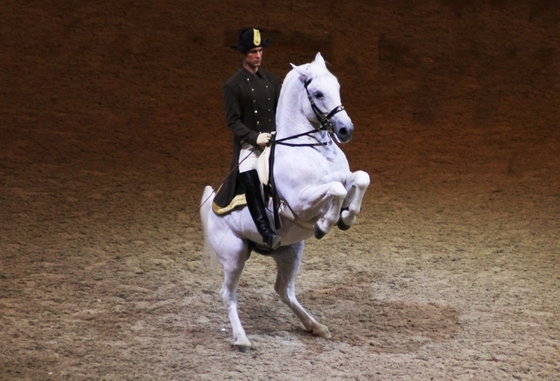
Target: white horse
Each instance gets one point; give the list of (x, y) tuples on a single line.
[(312, 178)]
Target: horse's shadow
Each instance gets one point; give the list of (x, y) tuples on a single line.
[(355, 317)]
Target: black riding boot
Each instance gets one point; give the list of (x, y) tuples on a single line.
[(252, 184)]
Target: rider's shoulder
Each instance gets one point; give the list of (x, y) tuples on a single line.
[(234, 80)]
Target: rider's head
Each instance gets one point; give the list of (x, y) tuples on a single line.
[(251, 46)]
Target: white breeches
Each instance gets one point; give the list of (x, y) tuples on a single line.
[(248, 157)]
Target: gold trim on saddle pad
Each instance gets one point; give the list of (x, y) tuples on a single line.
[(238, 200)]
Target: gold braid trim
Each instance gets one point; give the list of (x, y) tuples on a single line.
[(237, 201)]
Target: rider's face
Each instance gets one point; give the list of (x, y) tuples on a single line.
[(253, 58)]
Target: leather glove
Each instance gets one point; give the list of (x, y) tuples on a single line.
[(263, 139)]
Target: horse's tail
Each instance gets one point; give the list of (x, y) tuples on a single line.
[(209, 256), (206, 205)]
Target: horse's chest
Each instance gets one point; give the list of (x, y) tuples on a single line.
[(333, 155)]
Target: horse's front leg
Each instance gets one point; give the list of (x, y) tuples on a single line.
[(288, 260), (358, 183), (323, 201)]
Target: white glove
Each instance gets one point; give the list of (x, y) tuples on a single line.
[(263, 139)]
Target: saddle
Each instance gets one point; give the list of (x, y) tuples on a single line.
[(263, 170), (281, 208)]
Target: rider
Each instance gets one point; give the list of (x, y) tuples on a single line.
[(250, 100)]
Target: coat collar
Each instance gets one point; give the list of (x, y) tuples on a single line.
[(248, 74)]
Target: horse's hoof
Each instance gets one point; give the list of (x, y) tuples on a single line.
[(318, 232), (322, 331), (342, 226), (242, 348), (242, 345)]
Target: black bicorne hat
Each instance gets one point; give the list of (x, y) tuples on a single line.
[(249, 39)]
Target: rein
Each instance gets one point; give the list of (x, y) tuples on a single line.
[(281, 141)]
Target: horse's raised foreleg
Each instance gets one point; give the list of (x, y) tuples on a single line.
[(324, 201), (352, 205), (288, 260)]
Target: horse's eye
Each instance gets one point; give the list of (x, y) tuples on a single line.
[(319, 95)]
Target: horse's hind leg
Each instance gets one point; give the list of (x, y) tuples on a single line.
[(288, 260), (233, 256)]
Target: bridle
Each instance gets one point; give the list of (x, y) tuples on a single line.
[(323, 118)]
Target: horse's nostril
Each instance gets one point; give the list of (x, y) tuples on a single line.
[(344, 134)]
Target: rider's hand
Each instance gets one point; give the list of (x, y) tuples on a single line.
[(263, 139)]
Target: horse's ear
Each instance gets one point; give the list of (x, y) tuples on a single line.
[(302, 70), (319, 59)]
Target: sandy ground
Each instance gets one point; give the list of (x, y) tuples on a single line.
[(111, 123)]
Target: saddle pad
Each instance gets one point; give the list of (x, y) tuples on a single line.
[(262, 168)]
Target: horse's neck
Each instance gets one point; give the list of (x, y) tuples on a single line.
[(290, 118)]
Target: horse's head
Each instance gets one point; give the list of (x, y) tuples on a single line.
[(324, 108)]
